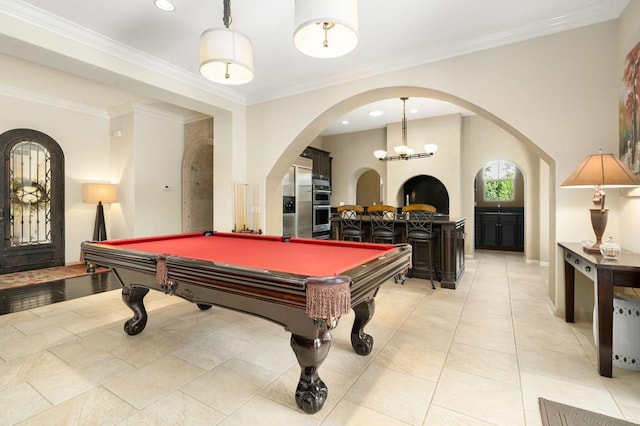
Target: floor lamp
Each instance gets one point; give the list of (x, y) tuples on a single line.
[(600, 171), (99, 193)]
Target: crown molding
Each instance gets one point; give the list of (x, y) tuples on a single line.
[(596, 13), (28, 95), (40, 18)]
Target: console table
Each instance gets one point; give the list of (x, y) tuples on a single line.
[(605, 273)]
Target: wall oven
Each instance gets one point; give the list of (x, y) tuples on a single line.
[(321, 191), (321, 218)]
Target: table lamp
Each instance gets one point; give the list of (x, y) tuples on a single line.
[(600, 171), (99, 193)]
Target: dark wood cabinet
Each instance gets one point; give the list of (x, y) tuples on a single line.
[(502, 230), (321, 162)]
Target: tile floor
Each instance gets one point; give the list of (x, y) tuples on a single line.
[(478, 355)]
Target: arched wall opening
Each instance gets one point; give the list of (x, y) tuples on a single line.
[(425, 189), (369, 188), (539, 161)]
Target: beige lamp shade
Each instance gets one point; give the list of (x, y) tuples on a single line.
[(326, 28), (226, 56), (605, 170), (95, 192)]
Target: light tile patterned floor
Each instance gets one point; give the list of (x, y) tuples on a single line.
[(478, 355)]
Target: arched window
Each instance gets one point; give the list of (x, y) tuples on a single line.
[(499, 177)]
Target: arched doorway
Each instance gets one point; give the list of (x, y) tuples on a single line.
[(369, 189), (426, 190), (32, 201), (197, 181)]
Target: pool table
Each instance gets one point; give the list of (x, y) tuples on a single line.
[(303, 284)]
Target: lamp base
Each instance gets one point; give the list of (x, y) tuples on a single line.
[(599, 223), (594, 249), (99, 228)]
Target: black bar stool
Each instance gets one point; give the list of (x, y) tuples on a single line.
[(383, 219), (351, 223), (419, 226)]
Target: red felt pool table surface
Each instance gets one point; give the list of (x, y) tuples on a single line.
[(301, 256)]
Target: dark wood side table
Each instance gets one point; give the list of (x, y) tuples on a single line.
[(605, 273)]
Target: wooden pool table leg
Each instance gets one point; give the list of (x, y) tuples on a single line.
[(311, 392), (362, 342), (133, 298)]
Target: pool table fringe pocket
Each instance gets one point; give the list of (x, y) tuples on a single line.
[(328, 298), (161, 270)]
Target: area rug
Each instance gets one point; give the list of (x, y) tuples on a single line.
[(556, 414), (37, 276)]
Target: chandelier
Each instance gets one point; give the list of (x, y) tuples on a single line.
[(403, 152), (226, 56)]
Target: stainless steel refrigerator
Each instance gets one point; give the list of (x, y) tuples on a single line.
[(297, 208)]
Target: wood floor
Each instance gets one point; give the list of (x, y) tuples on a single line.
[(36, 295)]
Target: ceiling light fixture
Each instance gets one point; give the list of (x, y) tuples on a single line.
[(403, 151), (326, 28), (165, 5), (226, 56)]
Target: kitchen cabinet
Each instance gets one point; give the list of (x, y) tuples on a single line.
[(321, 162), (500, 230)]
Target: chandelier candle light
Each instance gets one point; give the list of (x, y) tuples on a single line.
[(600, 171), (226, 56), (403, 151)]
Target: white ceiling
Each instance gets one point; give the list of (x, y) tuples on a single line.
[(393, 35)]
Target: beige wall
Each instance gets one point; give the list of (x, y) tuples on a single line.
[(352, 156)]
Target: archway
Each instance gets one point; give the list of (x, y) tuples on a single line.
[(426, 190), (197, 187), (542, 161), (369, 189)]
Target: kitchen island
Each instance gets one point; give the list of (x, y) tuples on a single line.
[(448, 255)]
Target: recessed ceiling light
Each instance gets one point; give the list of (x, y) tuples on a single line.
[(345, 121), (375, 113), (165, 5)]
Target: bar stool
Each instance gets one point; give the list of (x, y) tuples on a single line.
[(351, 223), (419, 226), (382, 223)]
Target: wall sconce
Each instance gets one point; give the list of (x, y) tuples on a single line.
[(99, 193)]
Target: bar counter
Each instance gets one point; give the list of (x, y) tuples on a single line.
[(448, 256)]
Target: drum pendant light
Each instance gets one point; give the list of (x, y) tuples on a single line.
[(326, 28), (226, 56)]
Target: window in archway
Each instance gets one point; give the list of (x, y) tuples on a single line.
[(499, 180)]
